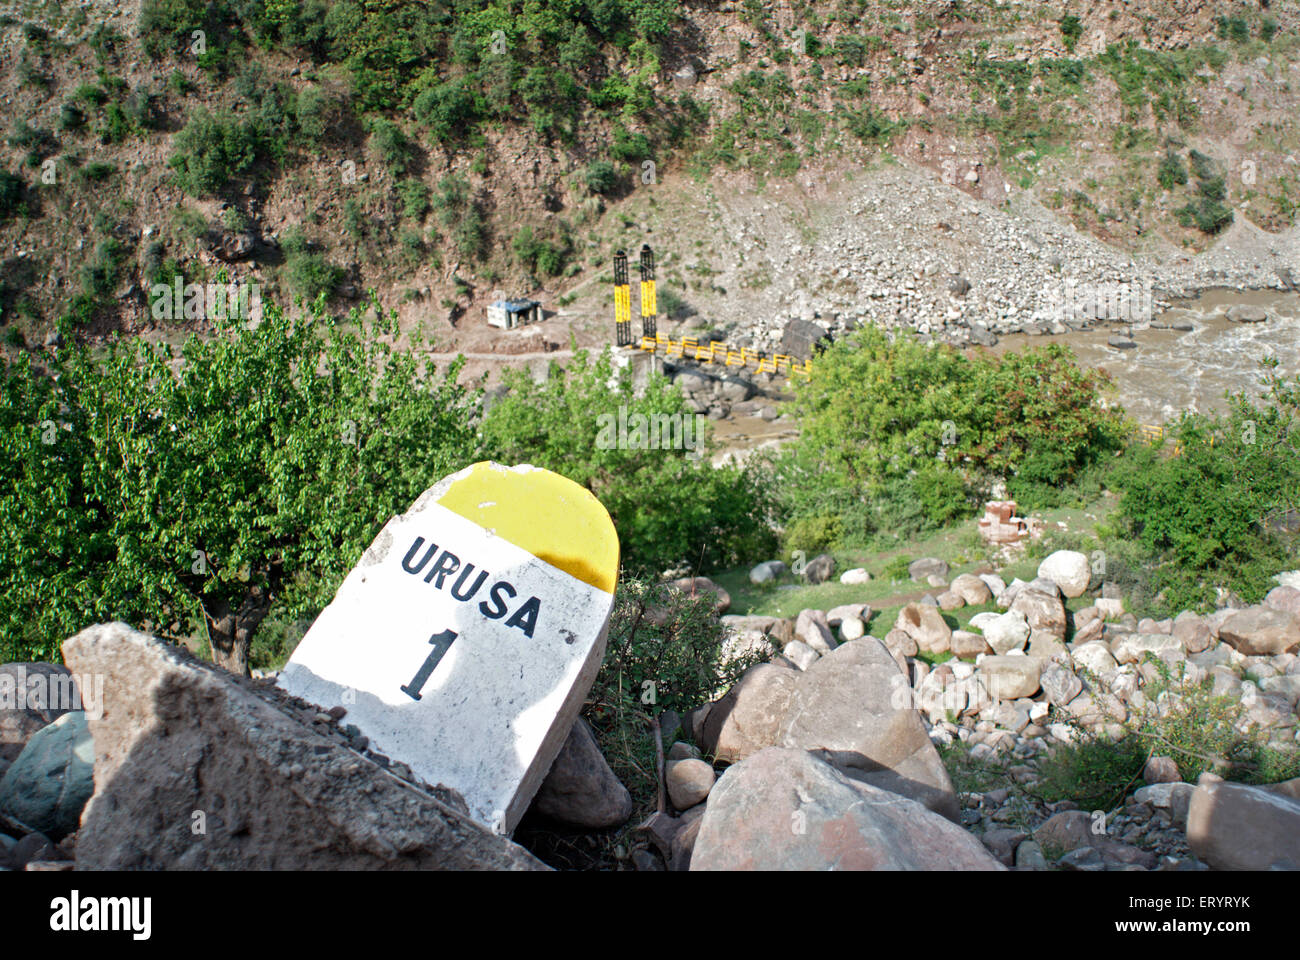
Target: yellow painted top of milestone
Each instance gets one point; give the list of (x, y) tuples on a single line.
[(548, 515)]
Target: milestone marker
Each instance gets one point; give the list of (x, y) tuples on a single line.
[(467, 636)]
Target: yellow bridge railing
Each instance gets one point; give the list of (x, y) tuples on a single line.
[(1154, 433), (716, 352)]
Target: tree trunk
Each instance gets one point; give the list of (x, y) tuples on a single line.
[(230, 630)]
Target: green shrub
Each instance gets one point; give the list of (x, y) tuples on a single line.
[(311, 275), (449, 109), (1207, 733), (1172, 172), (414, 195), (1203, 166), (96, 171), (392, 146), (601, 177), (13, 190), (663, 653), (1206, 509), (1236, 29), (1093, 771), (896, 569), (1205, 214), (813, 535), (71, 117), (210, 150), (117, 125), (1071, 31), (936, 427), (308, 272), (118, 503)]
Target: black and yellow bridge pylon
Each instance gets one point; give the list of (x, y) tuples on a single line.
[(648, 313), (622, 301)]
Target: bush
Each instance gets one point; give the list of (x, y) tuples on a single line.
[(392, 146), (71, 117), (448, 109), (1207, 733), (1205, 214), (1203, 166), (1206, 510), (601, 177), (813, 535), (116, 505), (1236, 29), (96, 171), (312, 276), (1094, 771), (414, 195), (210, 150), (1071, 31), (12, 191), (315, 112), (1172, 171)]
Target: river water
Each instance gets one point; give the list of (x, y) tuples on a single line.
[(1169, 371)]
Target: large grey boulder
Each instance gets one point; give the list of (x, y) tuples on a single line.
[(1192, 632), (785, 809), (925, 625), (32, 695), (1069, 570), (802, 338), (198, 769), (749, 717), (581, 790), (1005, 632), (1043, 610), (47, 786), (927, 567), (819, 568), (971, 589), (767, 572), (1133, 647), (1010, 678), (1232, 826), (1286, 599), (850, 708), (813, 628), (1071, 830), (1261, 631), (1059, 683)]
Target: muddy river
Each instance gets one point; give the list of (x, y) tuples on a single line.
[(1169, 371)]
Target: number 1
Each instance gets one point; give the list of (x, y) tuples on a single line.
[(441, 644)]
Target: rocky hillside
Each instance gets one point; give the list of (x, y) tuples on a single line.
[(932, 164)]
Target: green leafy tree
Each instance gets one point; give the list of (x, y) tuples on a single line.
[(192, 490), (668, 507), (896, 421)]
